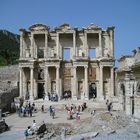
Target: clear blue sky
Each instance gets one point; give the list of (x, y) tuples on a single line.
[(123, 14)]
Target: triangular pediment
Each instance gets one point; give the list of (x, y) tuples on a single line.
[(37, 27), (64, 26), (93, 26)]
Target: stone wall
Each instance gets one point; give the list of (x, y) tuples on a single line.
[(7, 97), (8, 86), (8, 77)]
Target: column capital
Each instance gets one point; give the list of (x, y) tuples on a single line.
[(101, 66), (74, 67), (57, 67), (31, 67), (85, 67)]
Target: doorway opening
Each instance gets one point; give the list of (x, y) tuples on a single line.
[(41, 91), (92, 90)]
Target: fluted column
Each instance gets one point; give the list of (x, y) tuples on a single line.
[(46, 83), (100, 46), (57, 44), (86, 45), (100, 95), (21, 45), (21, 82), (74, 84), (74, 44), (46, 46), (86, 83), (31, 82), (112, 81), (32, 45), (57, 81)]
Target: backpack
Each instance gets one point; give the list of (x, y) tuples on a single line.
[(26, 133)]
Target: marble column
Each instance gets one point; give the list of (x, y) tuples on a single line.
[(46, 46), (100, 45), (46, 83), (112, 81), (86, 45), (86, 83), (21, 82), (57, 82), (24, 85), (32, 45), (57, 44), (74, 45), (21, 45), (74, 84), (31, 82), (100, 96), (111, 43)]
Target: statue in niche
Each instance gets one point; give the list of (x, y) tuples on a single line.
[(41, 74), (106, 54)]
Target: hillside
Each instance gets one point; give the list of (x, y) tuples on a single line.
[(9, 48)]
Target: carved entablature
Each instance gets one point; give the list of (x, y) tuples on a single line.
[(83, 64), (38, 27), (26, 65), (110, 64), (65, 28)]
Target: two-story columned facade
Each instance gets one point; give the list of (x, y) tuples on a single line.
[(67, 59)]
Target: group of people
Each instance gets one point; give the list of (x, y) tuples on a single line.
[(67, 94), (53, 97), (26, 109), (31, 129), (75, 110)]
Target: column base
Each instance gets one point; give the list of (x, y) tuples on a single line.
[(74, 98), (100, 98), (86, 98), (46, 98), (31, 98)]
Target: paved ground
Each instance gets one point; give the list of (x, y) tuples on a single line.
[(89, 123)]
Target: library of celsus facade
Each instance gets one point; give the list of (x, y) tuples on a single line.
[(78, 60)]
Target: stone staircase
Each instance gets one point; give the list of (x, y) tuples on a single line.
[(92, 104)]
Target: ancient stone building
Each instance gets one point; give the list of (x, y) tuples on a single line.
[(67, 59), (128, 83)]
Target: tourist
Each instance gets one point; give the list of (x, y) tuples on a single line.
[(110, 106), (28, 131), (78, 117), (53, 112), (50, 110), (34, 127), (78, 108), (42, 108)]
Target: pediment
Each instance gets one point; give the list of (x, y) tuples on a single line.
[(64, 26), (37, 27), (93, 26)]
